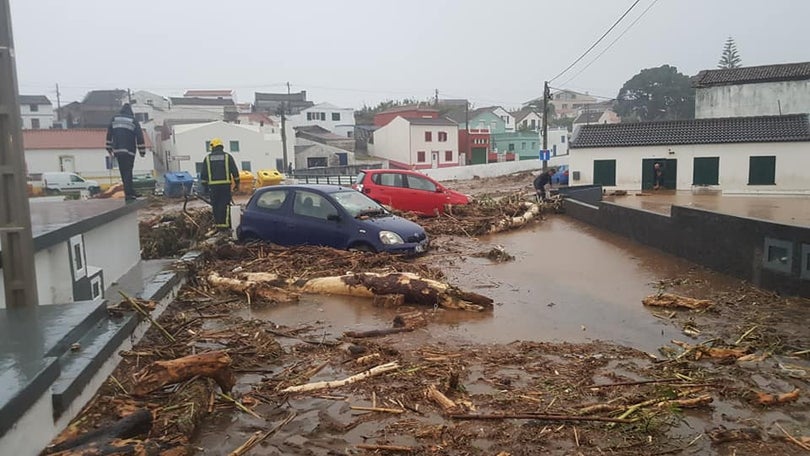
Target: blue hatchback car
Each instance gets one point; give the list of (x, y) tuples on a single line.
[(327, 215), (561, 176)]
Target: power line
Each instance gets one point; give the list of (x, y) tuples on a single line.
[(597, 41), (611, 43)]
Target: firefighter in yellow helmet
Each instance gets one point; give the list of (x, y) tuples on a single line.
[(218, 170)]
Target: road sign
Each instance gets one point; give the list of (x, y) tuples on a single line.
[(545, 155), (182, 157)]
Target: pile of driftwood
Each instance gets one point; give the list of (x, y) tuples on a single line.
[(171, 234)]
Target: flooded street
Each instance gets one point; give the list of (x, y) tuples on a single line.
[(568, 282)]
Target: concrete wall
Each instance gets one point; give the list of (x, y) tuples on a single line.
[(487, 170), (392, 142), (123, 234), (44, 113), (260, 149), (418, 143), (728, 244), (791, 164), (88, 163), (762, 99)]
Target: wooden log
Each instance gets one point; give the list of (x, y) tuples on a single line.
[(413, 319), (258, 290), (395, 448), (676, 301), (438, 397), (417, 290), (694, 402), (216, 365), (389, 300), (761, 398), (376, 409), (133, 425), (507, 223), (121, 447), (537, 416), (375, 332), (374, 371)]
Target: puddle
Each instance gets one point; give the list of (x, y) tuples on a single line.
[(568, 282)]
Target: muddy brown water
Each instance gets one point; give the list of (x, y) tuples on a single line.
[(568, 282)]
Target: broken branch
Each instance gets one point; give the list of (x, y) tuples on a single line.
[(374, 371)]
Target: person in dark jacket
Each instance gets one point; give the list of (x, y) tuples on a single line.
[(218, 169), (124, 136), (542, 184)]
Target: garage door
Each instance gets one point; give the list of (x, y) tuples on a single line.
[(604, 173), (479, 155)]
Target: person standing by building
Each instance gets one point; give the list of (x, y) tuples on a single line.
[(542, 184), (658, 176), (124, 136), (218, 169)]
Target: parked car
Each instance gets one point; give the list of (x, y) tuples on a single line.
[(561, 176), (407, 191), (53, 182), (327, 215)]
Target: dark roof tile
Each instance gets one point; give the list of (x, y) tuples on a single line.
[(751, 75), (794, 127), (34, 99)]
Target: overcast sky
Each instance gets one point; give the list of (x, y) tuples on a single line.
[(354, 52)]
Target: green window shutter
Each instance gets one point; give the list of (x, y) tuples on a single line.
[(706, 171), (604, 173), (234, 146), (762, 170), (246, 166)]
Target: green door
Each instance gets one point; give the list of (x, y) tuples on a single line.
[(706, 171), (670, 168), (479, 155), (604, 173)]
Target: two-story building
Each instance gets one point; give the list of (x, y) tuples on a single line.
[(417, 143), (339, 121), (529, 119), (36, 112), (272, 103), (567, 103)]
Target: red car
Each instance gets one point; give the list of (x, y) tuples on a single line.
[(407, 191)]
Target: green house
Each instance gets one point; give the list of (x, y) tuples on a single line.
[(525, 144), (479, 119)]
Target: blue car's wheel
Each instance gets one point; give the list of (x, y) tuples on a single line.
[(362, 247)]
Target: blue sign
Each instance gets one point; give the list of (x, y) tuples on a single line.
[(545, 155)]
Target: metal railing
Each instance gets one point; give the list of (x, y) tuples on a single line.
[(345, 180)]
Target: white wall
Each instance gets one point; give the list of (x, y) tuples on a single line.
[(418, 143), (526, 122), (123, 234), (508, 119), (259, 148), (88, 163), (44, 113), (341, 127), (753, 99), (791, 165), (392, 142), (487, 170), (557, 140)]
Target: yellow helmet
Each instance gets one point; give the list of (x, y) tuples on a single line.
[(216, 142)]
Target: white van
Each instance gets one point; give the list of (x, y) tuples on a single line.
[(67, 182)]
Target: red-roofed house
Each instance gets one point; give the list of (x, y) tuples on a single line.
[(77, 150), (206, 93), (406, 112)]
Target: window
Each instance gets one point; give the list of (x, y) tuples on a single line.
[(534, 145), (562, 139), (75, 178), (35, 124), (511, 147), (336, 116), (208, 146), (778, 255), (420, 183), (309, 204), (323, 116), (565, 106), (142, 117), (389, 179), (234, 146), (762, 171), (198, 166), (316, 162), (309, 116), (428, 136), (805, 261), (420, 156), (34, 108), (706, 171), (77, 257), (246, 166), (271, 200), (523, 145), (448, 155), (349, 134), (442, 136)]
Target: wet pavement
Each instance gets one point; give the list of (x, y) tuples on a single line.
[(569, 282), (791, 210)]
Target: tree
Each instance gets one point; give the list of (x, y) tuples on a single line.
[(730, 58), (660, 93)]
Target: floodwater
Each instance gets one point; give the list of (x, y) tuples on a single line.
[(568, 282)]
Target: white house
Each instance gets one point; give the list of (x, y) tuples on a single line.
[(252, 148), (508, 119), (762, 154), (417, 143), (753, 91), (528, 119), (149, 106), (339, 121), (77, 150), (200, 109), (558, 139), (36, 111)]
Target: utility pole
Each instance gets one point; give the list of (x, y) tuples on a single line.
[(436, 98), (546, 96), (58, 104), (16, 239), (129, 96), (284, 107)]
